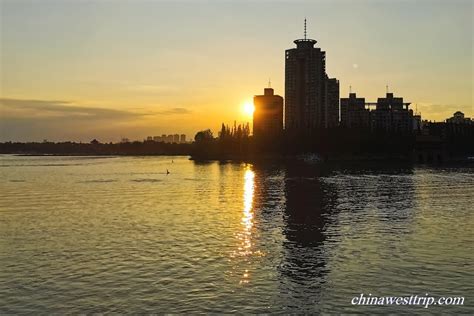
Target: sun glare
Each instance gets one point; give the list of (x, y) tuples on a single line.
[(248, 108)]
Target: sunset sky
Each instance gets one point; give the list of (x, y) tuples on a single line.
[(77, 70)]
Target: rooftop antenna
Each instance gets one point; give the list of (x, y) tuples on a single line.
[(350, 89), (304, 28), (269, 83), (386, 88)]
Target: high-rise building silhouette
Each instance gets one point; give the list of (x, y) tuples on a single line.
[(311, 97), (268, 114), (392, 114), (354, 114), (332, 102)]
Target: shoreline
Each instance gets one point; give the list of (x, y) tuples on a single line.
[(309, 158)]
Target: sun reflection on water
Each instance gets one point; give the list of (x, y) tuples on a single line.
[(245, 250), (247, 218)]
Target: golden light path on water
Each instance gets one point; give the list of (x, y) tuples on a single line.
[(248, 211), (244, 236)]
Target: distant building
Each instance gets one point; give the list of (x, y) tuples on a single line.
[(417, 124), (171, 138), (392, 114), (353, 112), (311, 98), (176, 138), (332, 102), (268, 114), (458, 118)]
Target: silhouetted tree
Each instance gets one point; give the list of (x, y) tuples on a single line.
[(204, 136)]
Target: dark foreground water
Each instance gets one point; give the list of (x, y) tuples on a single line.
[(85, 235)]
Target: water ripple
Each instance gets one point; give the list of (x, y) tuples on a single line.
[(89, 235)]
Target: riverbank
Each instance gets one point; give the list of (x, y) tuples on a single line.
[(312, 158), (146, 148)]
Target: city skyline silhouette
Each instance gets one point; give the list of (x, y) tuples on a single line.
[(95, 77)]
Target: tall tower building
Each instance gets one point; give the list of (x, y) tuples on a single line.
[(268, 114), (311, 97)]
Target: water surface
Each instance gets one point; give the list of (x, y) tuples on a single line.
[(117, 234)]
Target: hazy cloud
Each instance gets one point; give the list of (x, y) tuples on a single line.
[(55, 108), (64, 120), (176, 111)]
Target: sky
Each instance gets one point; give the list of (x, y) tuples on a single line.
[(83, 69)]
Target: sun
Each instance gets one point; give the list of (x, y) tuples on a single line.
[(248, 108)]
